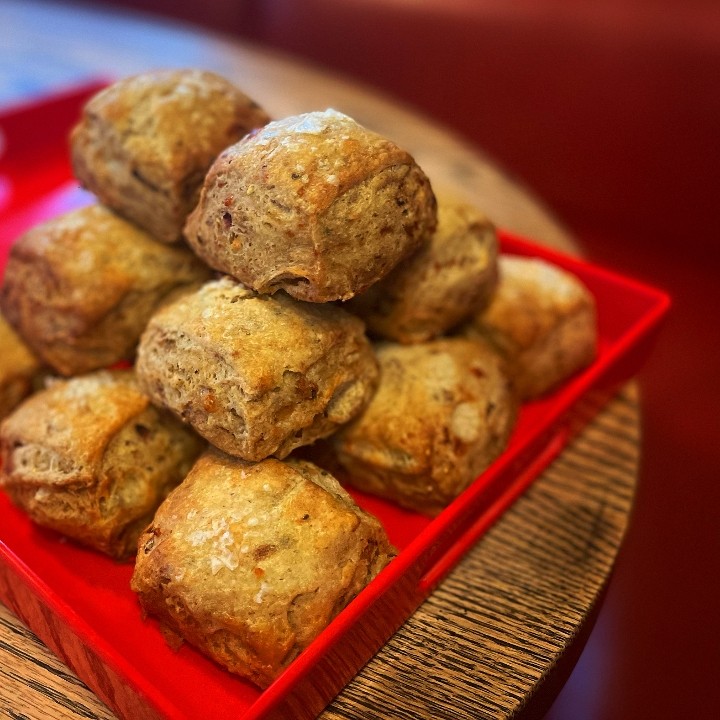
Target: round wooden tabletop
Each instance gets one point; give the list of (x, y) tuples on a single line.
[(488, 641)]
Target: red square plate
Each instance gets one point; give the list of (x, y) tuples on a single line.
[(79, 602)]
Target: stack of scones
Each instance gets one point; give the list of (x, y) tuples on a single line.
[(252, 314)]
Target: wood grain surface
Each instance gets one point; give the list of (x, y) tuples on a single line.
[(493, 631)]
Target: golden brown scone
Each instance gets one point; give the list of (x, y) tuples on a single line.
[(79, 289), (443, 411), (542, 320), (256, 375), (144, 144), (314, 204), (91, 458), (249, 562), (443, 283), (18, 369)]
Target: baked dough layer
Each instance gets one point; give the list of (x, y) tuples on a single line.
[(18, 369), (448, 279), (80, 288), (443, 411), (542, 320), (91, 458), (144, 144), (256, 375)]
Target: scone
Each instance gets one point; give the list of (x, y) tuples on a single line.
[(314, 204), (144, 144), (443, 411), (249, 562), (256, 375), (80, 288), (91, 458), (443, 283), (542, 320), (18, 369)]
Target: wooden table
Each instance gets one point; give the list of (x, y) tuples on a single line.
[(489, 640)]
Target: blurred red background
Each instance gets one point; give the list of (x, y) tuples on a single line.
[(610, 112)]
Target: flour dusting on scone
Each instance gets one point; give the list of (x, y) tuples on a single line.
[(248, 562), (313, 204)]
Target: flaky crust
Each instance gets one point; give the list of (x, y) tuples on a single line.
[(80, 288), (18, 368), (542, 320), (314, 204), (443, 411), (439, 286), (249, 562), (256, 375), (144, 144), (91, 458)]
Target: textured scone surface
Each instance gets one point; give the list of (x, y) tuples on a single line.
[(91, 458), (80, 288), (18, 368), (543, 320), (314, 204), (256, 375), (440, 285), (443, 411), (144, 144), (250, 561)]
